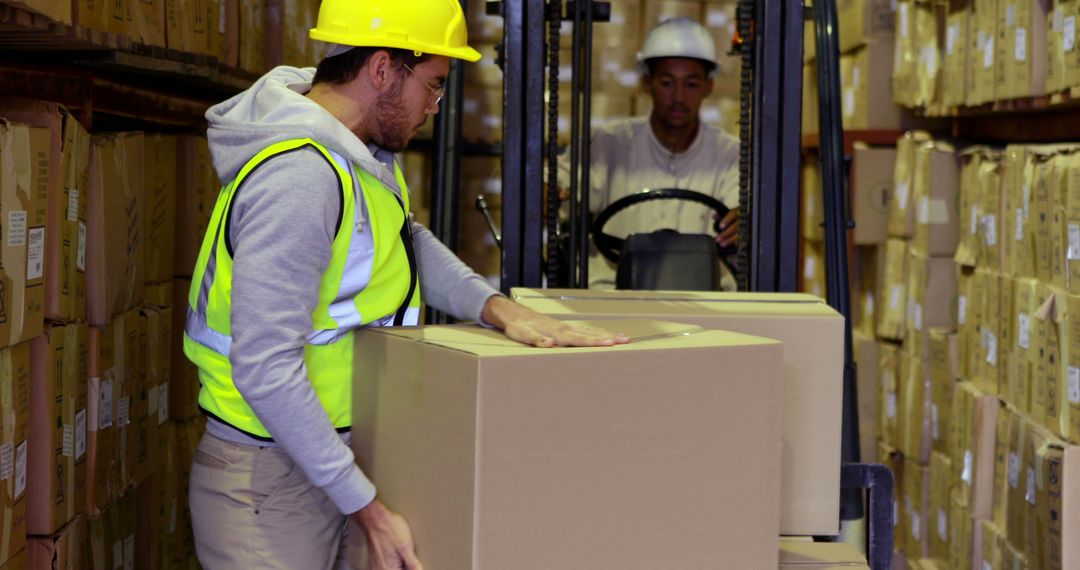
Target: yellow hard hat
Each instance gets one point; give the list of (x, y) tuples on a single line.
[(425, 26)]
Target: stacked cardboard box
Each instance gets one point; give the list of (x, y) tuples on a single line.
[(986, 50)]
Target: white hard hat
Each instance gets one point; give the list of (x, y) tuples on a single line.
[(678, 37)]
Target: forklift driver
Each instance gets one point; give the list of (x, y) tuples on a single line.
[(670, 148)]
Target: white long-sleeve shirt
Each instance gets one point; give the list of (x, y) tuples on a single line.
[(627, 158)]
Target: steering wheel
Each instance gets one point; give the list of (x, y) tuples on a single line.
[(610, 246)]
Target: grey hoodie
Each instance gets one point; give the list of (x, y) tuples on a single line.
[(282, 224)]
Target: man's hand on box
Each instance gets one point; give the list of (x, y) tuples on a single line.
[(529, 327), (389, 539)]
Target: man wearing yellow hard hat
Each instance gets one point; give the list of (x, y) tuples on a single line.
[(310, 240)]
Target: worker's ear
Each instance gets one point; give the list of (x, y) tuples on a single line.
[(380, 69)]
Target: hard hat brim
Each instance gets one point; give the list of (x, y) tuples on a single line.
[(465, 53)]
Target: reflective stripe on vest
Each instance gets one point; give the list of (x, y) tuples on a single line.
[(371, 280)]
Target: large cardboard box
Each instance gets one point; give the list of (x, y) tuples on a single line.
[(129, 396), (867, 102), (915, 523), (894, 295), (101, 447), (196, 192), (939, 529), (891, 359), (982, 37), (514, 457), (865, 22), (15, 409), (1020, 61), (867, 361), (115, 260), (932, 300), (810, 330), (872, 170), (159, 221), (65, 231), (936, 188), (149, 22), (67, 549), (112, 535), (59, 10), (23, 201), (802, 555), (976, 418), (901, 208), (943, 365), (914, 416), (954, 72), (56, 490)]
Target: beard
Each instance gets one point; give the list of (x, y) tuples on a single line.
[(392, 130)]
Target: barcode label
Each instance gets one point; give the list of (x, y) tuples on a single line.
[(163, 403), (1024, 330), (991, 349), (80, 434), (80, 254), (1074, 385), (990, 229), (894, 298), (965, 475), (1069, 33), (917, 314), (7, 461), (950, 39), (902, 195), (69, 440), (16, 229), (922, 212), (105, 408), (942, 524), (1021, 44), (1014, 470), (988, 53), (1019, 224), (1030, 494), (890, 405), (123, 411), (20, 469), (73, 205), (1073, 253), (35, 254), (934, 422), (961, 309)]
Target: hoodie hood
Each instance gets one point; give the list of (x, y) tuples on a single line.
[(273, 110)]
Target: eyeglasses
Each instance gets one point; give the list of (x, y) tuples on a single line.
[(438, 92)]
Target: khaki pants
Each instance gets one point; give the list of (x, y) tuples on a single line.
[(252, 507)]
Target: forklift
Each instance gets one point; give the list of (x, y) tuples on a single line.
[(537, 251)]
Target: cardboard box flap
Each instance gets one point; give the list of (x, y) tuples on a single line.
[(644, 334), (684, 302), (796, 553)]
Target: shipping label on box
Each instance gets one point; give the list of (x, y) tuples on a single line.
[(23, 203), (57, 448)]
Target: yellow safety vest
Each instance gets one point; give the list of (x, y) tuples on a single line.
[(371, 280)]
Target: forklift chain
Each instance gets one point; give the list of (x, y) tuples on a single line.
[(745, 17)]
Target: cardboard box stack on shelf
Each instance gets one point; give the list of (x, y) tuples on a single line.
[(977, 382), (94, 383), (973, 52)]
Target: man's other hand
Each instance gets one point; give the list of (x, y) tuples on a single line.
[(529, 327), (729, 228), (389, 540)]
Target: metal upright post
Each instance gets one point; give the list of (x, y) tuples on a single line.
[(776, 116), (523, 128)]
